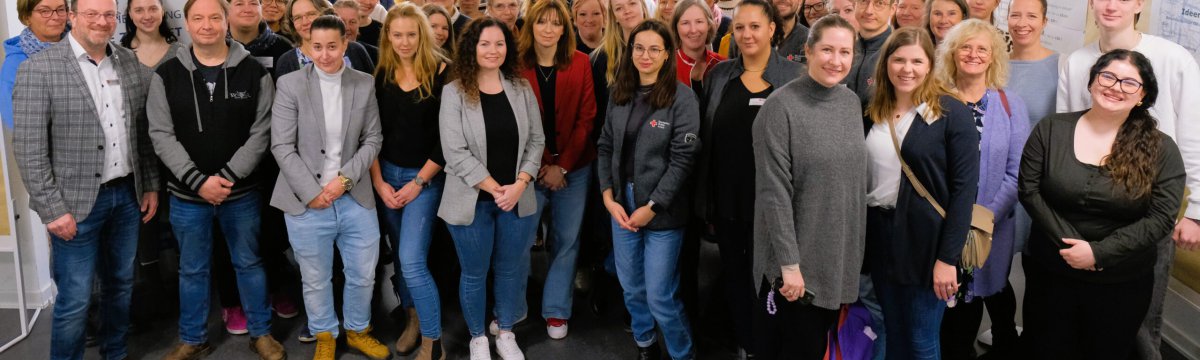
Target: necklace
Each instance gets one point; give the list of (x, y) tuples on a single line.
[(545, 77)]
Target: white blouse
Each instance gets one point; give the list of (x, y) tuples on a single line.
[(885, 165)]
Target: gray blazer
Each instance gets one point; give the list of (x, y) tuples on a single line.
[(464, 142), (298, 137), (58, 143)]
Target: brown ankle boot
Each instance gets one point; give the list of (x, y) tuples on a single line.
[(267, 348), (431, 350), (185, 351), (412, 333)]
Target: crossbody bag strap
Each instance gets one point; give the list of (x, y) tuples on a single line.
[(908, 172), (1004, 101)]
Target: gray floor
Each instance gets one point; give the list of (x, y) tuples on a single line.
[(592, 337)]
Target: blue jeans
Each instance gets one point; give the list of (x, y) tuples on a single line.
[(562, 240), (652, 287), (239, 221), (500, 240), (354, 229), (410, 230), (913, 315), (105, 245)]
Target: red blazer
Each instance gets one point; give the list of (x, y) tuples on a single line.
[(684, 64), (575, 113)]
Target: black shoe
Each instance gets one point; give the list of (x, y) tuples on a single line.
[(649, 353)]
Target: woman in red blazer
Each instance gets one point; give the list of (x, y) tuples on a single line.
[(562, 80)]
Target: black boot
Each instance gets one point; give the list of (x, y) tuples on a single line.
[(650, 352)]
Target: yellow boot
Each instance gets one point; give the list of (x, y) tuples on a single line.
[(326, 346), (367, 344)]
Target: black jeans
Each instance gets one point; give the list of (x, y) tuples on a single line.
[(960, 325), (794, 332), (1068, 319), (735, 240)]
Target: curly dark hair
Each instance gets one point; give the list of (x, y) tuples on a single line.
[(466, 67), (1136, 151), (662, 93), (131, 28)]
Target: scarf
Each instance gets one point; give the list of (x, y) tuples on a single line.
[(30, 43)]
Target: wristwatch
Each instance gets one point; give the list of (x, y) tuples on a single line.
[(420, 181), (347, 184)]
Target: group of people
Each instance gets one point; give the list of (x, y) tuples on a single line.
[(838, 151)]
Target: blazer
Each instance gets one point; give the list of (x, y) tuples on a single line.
[(298, 137), (779, 71), (464, 144), (666, 148), (1000, 148), (944, 156), (58, 143), (574, 113)]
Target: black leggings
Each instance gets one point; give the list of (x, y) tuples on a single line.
[(794, 332)]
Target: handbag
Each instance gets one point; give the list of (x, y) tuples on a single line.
[(979, 238)]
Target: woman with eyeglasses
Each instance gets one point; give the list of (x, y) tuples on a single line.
[(301, 13), (1104, 187), (941, 15), (46, 24), (645, 152), (974, 64), (811, 11), (915, 237)]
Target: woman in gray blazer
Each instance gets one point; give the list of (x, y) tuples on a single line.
[(645, 155), (491, 131)]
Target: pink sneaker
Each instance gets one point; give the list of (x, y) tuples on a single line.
[(284, 307), (235, 320)]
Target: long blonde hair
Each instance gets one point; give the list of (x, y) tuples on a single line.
[(426, 61), (883, 101), (946, 66), (614, 40)]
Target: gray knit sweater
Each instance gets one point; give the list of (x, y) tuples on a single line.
[(811, 187)]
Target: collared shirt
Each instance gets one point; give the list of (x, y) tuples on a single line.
[(885, 165), (457, 14), (104, 85), (331, 101)]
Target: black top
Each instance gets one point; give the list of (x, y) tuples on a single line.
[(208, 73), (410, 124), (600, 90), (369, 35), (638, 116), (546, 76), (733, 151), (582, 47), (502, 138), (1070, 199)]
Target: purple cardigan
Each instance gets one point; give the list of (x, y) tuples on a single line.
[(999, 159)]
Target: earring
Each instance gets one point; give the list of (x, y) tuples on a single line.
[(1139, 103)]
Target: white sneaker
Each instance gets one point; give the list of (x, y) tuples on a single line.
[(480, 349), (556, 328), (506, 345), (985, 338), (494, 326)]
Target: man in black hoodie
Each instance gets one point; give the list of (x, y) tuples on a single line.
[(209, 111), (246, 26)]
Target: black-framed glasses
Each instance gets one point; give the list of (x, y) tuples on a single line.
[(1128, 85), (47, 13), (819, 6)]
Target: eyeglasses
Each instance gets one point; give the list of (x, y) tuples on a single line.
[(653, 51), (306, 17), (819, 6), (879, 4), (47, 13), (980, 51), (91, 16), (1128, 85)]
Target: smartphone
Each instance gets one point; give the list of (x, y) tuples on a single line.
[(805, 300)]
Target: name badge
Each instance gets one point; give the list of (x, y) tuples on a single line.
[(265, 61), (113, 82), (757, 101)]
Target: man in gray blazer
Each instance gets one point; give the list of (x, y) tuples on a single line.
[(325, 133), (85, 157)]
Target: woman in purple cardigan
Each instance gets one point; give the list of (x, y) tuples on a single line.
[(972, 60)]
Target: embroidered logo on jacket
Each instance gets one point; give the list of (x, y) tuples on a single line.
[(240, 95), (659, 124)]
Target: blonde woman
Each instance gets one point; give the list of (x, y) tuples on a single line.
[(972, 61), (588, 16), (621, 17)]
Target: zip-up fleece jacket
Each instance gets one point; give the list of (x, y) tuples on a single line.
[(197, 134)]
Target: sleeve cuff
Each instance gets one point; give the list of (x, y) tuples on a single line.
[(228, 174), (1193, 211), (194, 179)]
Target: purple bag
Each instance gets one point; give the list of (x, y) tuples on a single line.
[(853, 338)]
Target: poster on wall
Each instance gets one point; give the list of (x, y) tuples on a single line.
[(175, 20), (1178, 21)]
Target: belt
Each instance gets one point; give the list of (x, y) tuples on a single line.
[(117, 182)]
